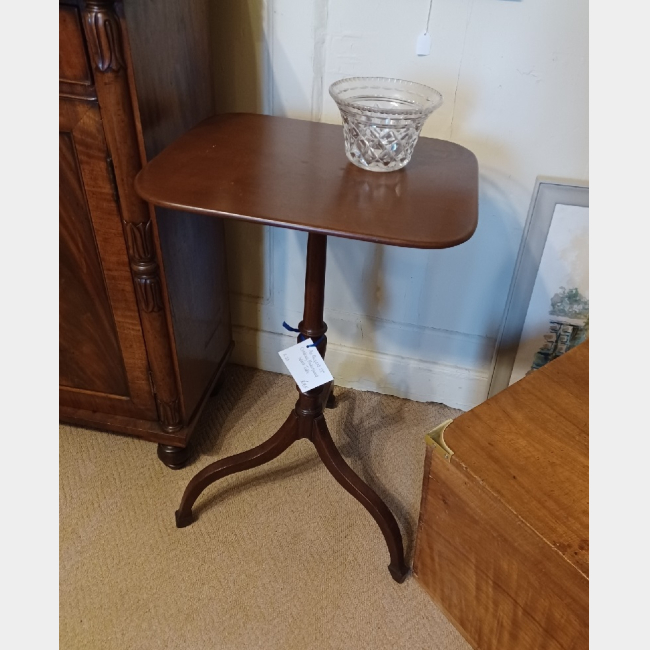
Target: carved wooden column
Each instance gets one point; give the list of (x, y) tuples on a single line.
[(107, 40)]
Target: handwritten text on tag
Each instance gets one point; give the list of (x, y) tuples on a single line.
[(306, 366)]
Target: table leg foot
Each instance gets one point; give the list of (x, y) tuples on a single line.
[(399, 573), (363, 493), (183, 520), (259, 455)]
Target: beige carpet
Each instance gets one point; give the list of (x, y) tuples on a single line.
[(281, 557)]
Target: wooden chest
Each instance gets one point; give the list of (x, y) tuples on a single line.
[(503, 538)]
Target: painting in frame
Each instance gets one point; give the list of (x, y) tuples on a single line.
[(547, 310)]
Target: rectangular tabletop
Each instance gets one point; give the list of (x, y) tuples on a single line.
[(294, 174)]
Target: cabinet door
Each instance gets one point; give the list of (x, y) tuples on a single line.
[(102, 358)]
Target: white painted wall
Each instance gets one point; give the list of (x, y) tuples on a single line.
[(418, 324)]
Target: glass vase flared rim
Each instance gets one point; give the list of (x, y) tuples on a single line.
[(432, 98)]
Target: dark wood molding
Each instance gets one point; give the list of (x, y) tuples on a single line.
[(145, 269), (148, 290), (108, 44), (139, 241), (169, 415), (104, 35)]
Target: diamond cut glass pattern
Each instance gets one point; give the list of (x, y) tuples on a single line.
[(382, 119)]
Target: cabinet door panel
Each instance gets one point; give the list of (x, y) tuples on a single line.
[(89, 351), (102, 357)]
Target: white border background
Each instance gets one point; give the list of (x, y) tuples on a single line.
[(620, 139)]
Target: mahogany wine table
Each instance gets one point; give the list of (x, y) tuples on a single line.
[(294, 174)]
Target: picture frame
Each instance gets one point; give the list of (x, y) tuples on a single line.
[(562, 331)]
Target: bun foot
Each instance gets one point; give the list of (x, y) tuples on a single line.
[(173, 457), (399, 573)]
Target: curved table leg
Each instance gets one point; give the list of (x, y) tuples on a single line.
[(259, 455), (330, 402), (342, 472)]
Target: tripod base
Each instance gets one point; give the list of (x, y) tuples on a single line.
[(307, 421)]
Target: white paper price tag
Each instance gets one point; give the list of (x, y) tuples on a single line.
[(423, 45), (306, 366)]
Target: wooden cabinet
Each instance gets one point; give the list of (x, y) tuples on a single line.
[(144, 323)]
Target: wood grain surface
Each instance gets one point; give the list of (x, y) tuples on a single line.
[(75, 76), (172, 73), (111, 375), (169, 43), (89, 351), (294, 174), (531, 445), (503, 538)]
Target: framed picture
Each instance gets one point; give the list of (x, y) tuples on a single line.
[(547, 310)]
